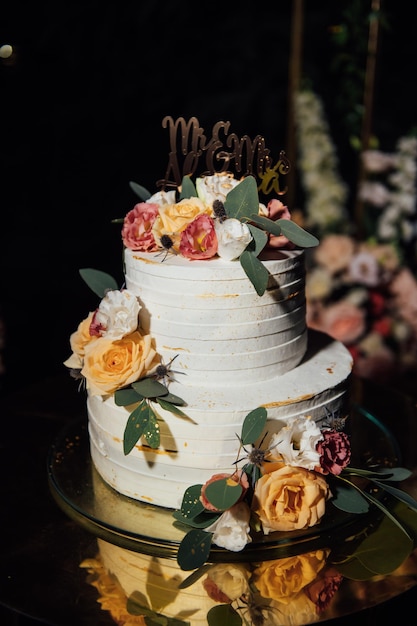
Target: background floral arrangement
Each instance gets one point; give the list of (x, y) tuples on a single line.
[(361, 289)]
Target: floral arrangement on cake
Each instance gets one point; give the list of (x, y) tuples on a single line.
[(218, 216), (284, 484), (361, 290)]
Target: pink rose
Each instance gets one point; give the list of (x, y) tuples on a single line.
[(278, 211), (137, 227), (334, 450), (199, 239)]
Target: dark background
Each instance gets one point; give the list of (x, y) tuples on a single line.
[(82, 101)]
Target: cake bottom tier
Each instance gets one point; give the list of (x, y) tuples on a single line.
[(206, 443)]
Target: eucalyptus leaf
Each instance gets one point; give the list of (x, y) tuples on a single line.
[(194, 549), (223, 615), (268, 225), (149, 388), (142, 193), (398, 493), (98, 281), (297, 235), (172, 399), (223, 493), (140, 422), (191, 504), (347, 498), (253, 425), (259, 240), (192, 578), (125, 397), (255, 271), (188, 189), (202, 520), (243, 200), (172, 408)]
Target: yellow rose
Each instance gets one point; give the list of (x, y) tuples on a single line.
[(109, 365), (290, 498), (174, 218), (283, 579)]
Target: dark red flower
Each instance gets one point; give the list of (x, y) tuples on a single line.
[(334, 451), (323, 588)]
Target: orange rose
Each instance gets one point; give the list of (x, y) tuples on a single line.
[(282, 579), (290, 498), (109, 365)]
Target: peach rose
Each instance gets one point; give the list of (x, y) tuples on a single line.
[(110, 365), (276, 210), (283, 579), (290, 498), (78, 342), (174, 218)]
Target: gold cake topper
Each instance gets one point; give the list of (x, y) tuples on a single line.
[(189, 145)]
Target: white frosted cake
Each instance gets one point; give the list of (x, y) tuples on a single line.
[(207, 339)]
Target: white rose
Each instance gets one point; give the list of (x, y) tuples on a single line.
[(215, 187), (230, 578), (231, 530), (232, 236), (163, 197), (296, 443), (118, 314)]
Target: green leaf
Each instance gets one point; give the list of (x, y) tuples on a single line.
[(172, 399), (259, 241), (243, 200), (149, 388), (191, 504), (192, 578), (168, 406), (223, 614), (188, 189), (297, 235), (98, 281), (255, 271), (202, 520), (140, 191), (125, 397), (253, 425), (288, 228), (347, 498), (194, 549), (141, 422), (398, 493), (223, 493)]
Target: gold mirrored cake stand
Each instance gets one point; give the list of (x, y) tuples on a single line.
[(145, 529)]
